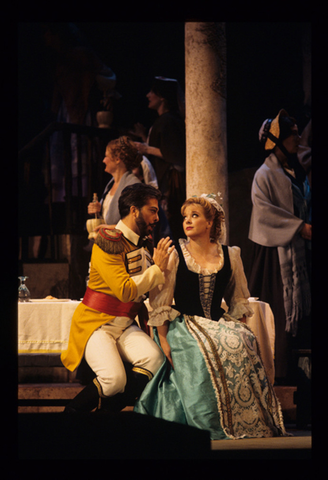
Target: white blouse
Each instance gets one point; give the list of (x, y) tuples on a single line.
[(236, 294), (107, 201)]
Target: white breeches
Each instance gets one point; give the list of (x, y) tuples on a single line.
[(119, 341)]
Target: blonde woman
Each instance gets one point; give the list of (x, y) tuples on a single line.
[(213, 377)]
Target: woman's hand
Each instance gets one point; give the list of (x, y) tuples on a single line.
[(162, 332), (167, 351), (243, 319), (162, 253), (94, 207)]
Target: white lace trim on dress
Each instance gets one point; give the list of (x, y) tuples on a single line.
[(193, 266), (161, 314)]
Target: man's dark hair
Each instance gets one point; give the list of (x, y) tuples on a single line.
[(136, 195)]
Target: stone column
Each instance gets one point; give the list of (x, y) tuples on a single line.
[(205, 91)]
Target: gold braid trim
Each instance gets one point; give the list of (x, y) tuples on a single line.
[(110, 241), (143, 371), (100, 392)]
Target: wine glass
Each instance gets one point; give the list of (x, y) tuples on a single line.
[(23, 292)]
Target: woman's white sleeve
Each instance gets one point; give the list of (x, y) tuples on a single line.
[(161, 297)]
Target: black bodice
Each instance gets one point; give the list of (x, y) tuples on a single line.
[(189, 290)]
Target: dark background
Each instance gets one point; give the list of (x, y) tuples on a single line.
[(264, 74)]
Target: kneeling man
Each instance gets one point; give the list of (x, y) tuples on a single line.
[(103, 328)]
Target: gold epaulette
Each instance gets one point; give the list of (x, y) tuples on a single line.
[(110, 241)]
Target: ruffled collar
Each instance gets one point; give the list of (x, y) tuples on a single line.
[(194, 266)]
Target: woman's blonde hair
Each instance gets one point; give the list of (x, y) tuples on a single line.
[(211, 213), (125, 149)]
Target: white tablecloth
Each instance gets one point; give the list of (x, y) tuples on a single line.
[(262, 325), (43, 326)]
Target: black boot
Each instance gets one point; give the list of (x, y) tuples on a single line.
[(86, 400), (137, 379), (113, 404)]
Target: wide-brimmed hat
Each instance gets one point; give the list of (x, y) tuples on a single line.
[(269, 133)]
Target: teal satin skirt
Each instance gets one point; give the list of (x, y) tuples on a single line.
[(218, 382), (185, 394)]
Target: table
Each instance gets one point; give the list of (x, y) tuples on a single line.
[(44, 325), (262, 325)]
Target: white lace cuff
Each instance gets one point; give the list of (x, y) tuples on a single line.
[(240, 309), (161, 314)]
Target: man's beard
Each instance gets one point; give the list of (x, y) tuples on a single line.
[(144, 228)]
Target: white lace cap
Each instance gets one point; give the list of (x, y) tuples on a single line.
[(211, 197)]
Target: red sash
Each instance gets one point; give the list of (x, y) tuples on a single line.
[(113, 306)]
